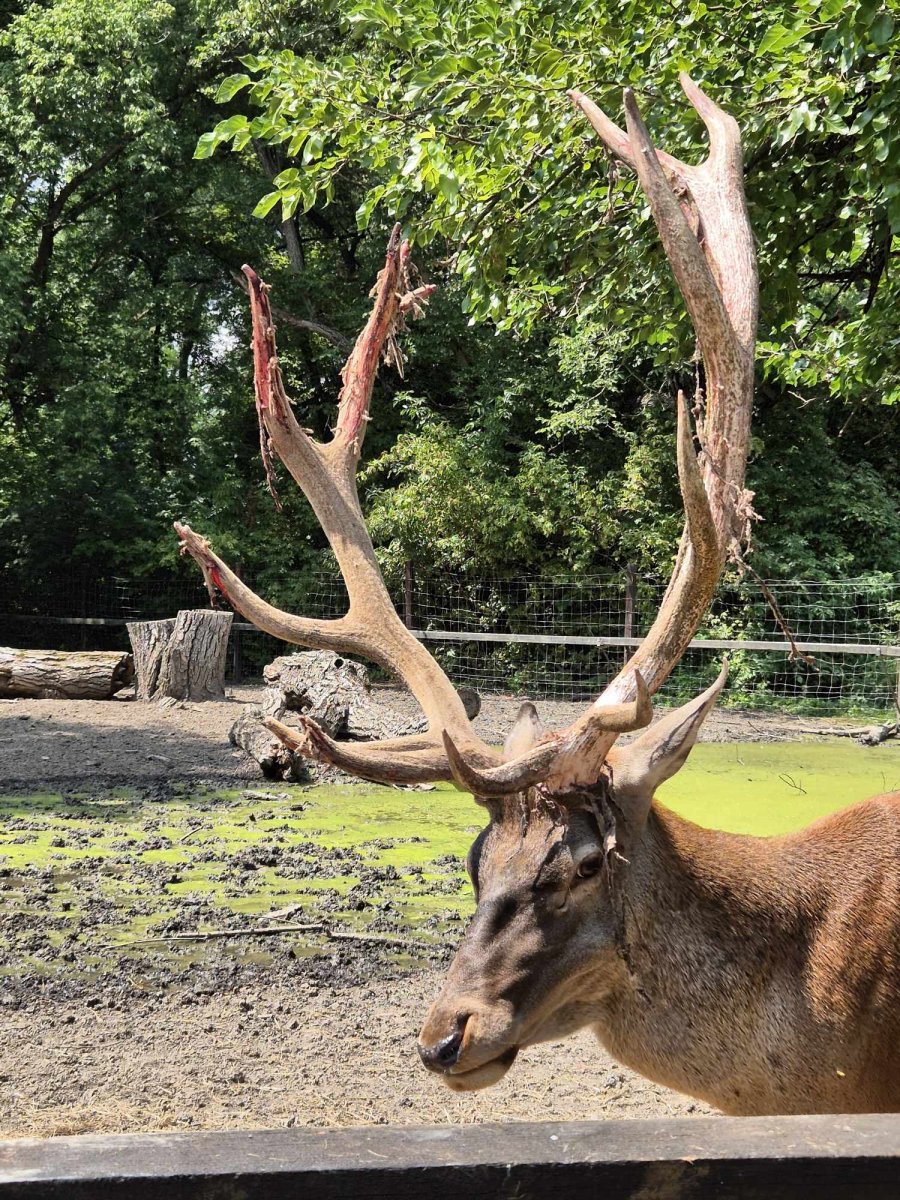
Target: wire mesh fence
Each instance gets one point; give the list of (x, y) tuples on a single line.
[(541, 636), (846, 630)]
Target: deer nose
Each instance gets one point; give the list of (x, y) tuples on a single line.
[(442, 1055)]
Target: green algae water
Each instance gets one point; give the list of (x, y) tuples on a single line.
[(769, 788), (86, 879)]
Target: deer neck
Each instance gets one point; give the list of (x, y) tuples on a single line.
[(711, 931)]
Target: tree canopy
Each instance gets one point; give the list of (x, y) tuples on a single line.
[(148, 150), (453, 116)]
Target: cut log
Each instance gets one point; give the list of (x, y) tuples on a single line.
[(149, 640), (249, 734), (192, 666), (61, 675), (334, 691)]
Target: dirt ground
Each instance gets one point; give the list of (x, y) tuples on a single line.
[(290, 1053), (55, 743), (235, 1041)]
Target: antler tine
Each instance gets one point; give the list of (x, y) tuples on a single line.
[(413, 759), (701, 215), (547, 758), (327, 475), (617, 139), (321, 635), (689, 265), (517, 775), (724, 132)]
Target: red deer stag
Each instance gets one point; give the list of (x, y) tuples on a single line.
[(760, 974)]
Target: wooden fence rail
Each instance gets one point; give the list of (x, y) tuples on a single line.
[(752, 1158), (879, 649)]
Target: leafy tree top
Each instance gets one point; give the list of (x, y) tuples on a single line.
[(452, 115)]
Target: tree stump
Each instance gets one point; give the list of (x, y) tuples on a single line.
[(182, 658), (61, 675), (148, 641)]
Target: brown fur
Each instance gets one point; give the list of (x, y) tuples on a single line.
[(759, 974), (766, 970)]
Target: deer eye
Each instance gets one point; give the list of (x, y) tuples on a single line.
[(589, 867)]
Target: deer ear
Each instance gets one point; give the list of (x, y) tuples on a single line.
[(638, 769), (526, 732)]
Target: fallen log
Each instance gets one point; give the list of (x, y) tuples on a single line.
[(249, 734), (866, 735), (880, 733), (332, 690), (64, 675)]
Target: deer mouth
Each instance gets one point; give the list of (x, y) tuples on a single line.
[(483, 1076)]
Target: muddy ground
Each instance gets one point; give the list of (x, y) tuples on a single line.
[(301, 1048), (118, 845)]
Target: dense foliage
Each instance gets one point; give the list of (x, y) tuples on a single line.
[(533, 429)]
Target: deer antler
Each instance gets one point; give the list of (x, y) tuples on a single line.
[(327, 475), (701, 215)]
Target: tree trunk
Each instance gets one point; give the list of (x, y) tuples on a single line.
[(148, 641), (192, 666), (60, 675)]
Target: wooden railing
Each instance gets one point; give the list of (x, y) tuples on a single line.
[(752, 1158)]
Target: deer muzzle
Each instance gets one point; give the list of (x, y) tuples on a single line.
[(468, 1047)]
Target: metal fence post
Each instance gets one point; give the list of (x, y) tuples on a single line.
[(630, 599), (408, 594)]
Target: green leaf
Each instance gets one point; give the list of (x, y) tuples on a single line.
[(368, 206), (288, 178), (230, 87), (882, 29), (206, 145), (254, 63), (227, 129), (313, 148), (778, 37), (266, 204)]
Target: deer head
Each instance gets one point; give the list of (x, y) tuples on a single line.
[(566, 808)]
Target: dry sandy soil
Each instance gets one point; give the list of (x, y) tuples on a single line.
[(265, 1055), (323, 1040), (58, 742)]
